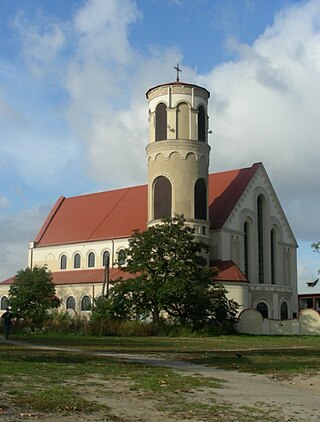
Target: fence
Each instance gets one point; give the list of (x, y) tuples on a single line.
[(252, 322)]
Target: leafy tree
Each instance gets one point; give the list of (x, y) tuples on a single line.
[(171, 279), (316, 246), (32, 293)]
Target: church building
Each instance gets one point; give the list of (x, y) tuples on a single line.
[(236, 212)]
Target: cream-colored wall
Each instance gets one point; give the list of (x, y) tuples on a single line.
[(50, 255), (78, 291), (239, 293), (252, 322), (183, 165), (227, 243), (184, 160)]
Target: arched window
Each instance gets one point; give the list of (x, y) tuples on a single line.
[(86, 303), (263, 309), (260, 209), (71, 303), (162, 198), (246, 239), (4, 303), (183, 121), (121, 257), (63, 262), (273, 255), (76, 261), (106, 259), (91, 259), (201, 124), (284, 310), (200, 200), (161, 122)]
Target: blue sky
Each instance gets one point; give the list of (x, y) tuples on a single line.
[(73, 113)]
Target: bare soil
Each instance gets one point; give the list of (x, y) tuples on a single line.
[(241, 397)]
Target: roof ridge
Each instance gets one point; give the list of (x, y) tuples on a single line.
[(49, 218), (109, 213)]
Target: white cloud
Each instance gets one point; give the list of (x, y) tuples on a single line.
[(265, 108), (42, 42), (16, 233), (4, 202)]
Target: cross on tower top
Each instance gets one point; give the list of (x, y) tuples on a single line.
[(178, 70)]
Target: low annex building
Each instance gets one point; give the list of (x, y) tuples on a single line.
[(236, 212)]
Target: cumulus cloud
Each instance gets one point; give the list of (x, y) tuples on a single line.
[(265, 108), (16, 233), (42, 41)]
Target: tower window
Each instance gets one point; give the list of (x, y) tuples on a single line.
[(183, 121), (200, 200), (63, 262), (161, 122), (162, 198), (201, 124)]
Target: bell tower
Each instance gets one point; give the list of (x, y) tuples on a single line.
[(178, 154)]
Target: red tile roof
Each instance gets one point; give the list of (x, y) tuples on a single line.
[(225, 189), (98, 216), (228, 271), (95, 275), (116, 213)]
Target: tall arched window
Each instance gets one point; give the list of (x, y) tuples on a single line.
[(71, 303), (246, 248), (76, 261), (91, 259), (4, 303), (86, 303), (183, 121), (121, 257), (63, 262), (273, 255), (201, 124), (106, 259), (161, 122), (260, 238), (162, 198), (200, 200), (263, 309), (284, 311)]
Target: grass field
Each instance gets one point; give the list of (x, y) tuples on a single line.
[(54, 379)]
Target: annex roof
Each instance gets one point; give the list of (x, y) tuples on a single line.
[(117, 213), (228, 271)]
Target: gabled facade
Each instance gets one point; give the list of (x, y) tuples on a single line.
[(236, 212)]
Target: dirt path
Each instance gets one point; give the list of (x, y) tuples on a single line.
[(296, 399)]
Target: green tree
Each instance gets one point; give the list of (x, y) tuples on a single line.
[(171, 278), (316, 246), (32, 294)]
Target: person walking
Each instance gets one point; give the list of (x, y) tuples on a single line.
[(6, 319)]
